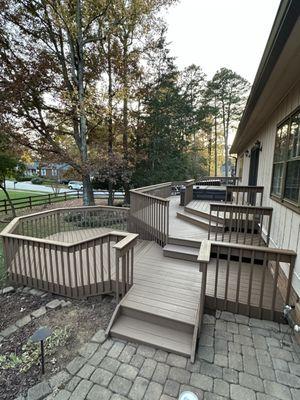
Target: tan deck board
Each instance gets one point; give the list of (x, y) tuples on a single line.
[(180, 228), (168, 288), (163, 337), (185, 230)]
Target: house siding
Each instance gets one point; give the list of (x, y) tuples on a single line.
[(285, 231)]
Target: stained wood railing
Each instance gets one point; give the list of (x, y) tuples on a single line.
[(245, 195), (217, 180), (187, 195), (95, 265), (149, 212), (240, 224), (49, 223), (246, 279)]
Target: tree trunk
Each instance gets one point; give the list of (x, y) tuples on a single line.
[(209, 152), (110, 121), (13, 211), (125, 120), (88, 196), (225, 138), (216, 147)]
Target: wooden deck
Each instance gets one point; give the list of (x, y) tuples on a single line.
[(162, 308), (241, 299), (181, 228), (192, 222), (166, 275)]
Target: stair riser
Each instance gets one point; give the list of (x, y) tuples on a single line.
[(184, 242), (180, 256), (201, 224), (139, 341), (203, 215), (155, 319)]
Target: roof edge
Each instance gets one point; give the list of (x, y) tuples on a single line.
[(286, 17)]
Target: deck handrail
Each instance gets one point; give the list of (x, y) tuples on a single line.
[(27, 260), (243, 195), (149, 212), (125, 251), (240, 223), (266, 258), (32, 250), (188, 192)]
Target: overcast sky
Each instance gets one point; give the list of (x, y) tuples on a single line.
[(221, 33)]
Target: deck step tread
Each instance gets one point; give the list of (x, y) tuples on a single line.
[(152, 334), (198, 221), (205, 215), (179, 248), (162, 310), (182, 252)]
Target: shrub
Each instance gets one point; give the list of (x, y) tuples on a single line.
[(23, 178)]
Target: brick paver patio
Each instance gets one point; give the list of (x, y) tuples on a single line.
[(238, 358)]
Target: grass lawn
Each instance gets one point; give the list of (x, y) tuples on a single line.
[(16, 194)]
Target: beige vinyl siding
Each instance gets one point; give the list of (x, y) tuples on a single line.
[(285, 231)]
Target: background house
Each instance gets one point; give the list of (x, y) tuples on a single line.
[(46, 170)]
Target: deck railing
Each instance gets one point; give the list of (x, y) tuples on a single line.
[(217, 180), (91, 266), (49, 223), (245, 195), (149, 212), (240, 224), (187, 195), (252, 288)]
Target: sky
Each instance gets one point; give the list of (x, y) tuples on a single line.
[(220, 33)]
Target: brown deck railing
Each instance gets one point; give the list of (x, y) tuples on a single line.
[(48, 223), (245, 279), (86, 267), (245, 195), (149, 212), (240, 224), (217, 180), (188, 192)]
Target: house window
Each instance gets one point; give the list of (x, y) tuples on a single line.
[(286, 164), (43, 172)]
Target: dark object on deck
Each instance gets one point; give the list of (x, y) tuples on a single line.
[(39, 336), (209, 193)]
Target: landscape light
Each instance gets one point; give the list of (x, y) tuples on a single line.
[(39, 336), (188, 396)]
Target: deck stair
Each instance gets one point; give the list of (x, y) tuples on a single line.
[(199, 220), (164, 307), (203, 214), (182, 249)]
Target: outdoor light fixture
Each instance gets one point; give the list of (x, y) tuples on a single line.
[(247, 153), (258, 145), (39, 336), (188, 396), (289, 319)]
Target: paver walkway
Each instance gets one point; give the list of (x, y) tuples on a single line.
[(238, 358)]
